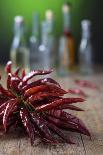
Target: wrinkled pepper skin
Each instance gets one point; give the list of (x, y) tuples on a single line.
[(59, 103), (25, 118)]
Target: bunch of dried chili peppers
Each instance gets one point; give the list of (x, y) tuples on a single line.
[(38, 107)]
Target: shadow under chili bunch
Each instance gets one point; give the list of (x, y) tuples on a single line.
[(38, 107)]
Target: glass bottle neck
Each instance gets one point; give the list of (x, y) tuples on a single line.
[(44, 35), (66, 23), (19, 31), (86, 28), (35, 28), (86, 34)]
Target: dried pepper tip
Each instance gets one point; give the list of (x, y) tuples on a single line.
[(8, 67), (85, 83), (77, 91), (37, 107)]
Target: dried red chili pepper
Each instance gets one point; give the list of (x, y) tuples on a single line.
[(25, 117), (57, 103), (34, 73), (77, 91), (38, 107), (85, 83), (11, 106), (45, 88), (71, 107), (43, 95), (17, 71), (40, 82), (23, 73), (8, 67)]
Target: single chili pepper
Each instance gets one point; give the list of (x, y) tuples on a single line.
[(40, 82), (45, 88), (43, 95), (9, 81), (8, 67), (11, 106), (32, 84), (71, 107), (43, 129), (34, 73), (34, 90), (14, 83), (77, 91), (17, 71), (50, 80), (3, 106), (58, 103), (85, 83), (23, 73), (25, 117)]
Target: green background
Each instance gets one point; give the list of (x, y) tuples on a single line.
[(91, 9)]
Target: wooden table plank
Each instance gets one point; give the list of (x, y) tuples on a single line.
[(93, 117)]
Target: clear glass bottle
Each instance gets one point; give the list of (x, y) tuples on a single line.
[(85, 49), (49, 19), (34, 43), (19, 53), (44, 50), (66, 58)]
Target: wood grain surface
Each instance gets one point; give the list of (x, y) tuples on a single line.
[(16, 143)]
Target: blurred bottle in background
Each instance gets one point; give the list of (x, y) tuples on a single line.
[(19, 53), (49, 19), (85, 49), (34, 43), (46, 49), (66, 57)]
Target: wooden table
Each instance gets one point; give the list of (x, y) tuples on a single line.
[(17, 144)]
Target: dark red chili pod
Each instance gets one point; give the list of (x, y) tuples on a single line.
[(77, 91), (85, 83), (58, 103), (25, 118), (23, 73), (10, 108), (71, 107), (8, 67), (34, 73), (16, 73)]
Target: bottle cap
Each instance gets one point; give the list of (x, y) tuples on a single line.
[(49, 14), (66, 7), (19, 19), (85, 24)]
